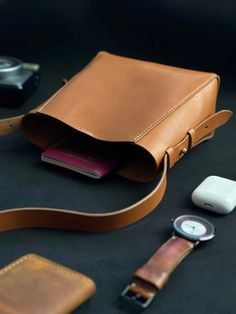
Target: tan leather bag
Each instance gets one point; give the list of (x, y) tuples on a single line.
[(155, 113)]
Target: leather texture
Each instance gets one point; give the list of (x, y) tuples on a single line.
[(33, 284), (156, 113), (159, 267)]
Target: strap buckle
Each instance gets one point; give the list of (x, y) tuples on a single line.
[(136, 299)]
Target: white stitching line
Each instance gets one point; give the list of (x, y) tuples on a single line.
[(51, 98), (151, 126), (86, 131), (48, 262), (68, 83), (176, 106), (54, 95)]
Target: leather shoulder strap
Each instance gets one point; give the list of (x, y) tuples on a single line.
[(11, 219), (10, 125)]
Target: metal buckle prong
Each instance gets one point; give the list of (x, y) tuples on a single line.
[(137, 299)]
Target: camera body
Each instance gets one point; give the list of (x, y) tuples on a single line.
[(18, 80)]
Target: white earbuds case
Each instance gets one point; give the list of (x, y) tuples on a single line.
[(216, 194)]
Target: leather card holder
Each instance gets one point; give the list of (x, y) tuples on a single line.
[(33, 284)]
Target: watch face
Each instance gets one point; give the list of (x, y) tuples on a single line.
[(194, 228)]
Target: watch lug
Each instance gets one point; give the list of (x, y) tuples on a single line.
[(196, 243), (174, 234)]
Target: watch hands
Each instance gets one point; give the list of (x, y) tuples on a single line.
[(190, 225)]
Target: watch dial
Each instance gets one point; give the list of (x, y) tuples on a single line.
[(194, 228)]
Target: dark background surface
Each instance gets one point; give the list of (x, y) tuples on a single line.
[(62, 36)]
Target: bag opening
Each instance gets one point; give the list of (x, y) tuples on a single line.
[(136, 163)]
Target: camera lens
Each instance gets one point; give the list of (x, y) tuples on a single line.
[(17, 81), (9, 66), (4, 63)]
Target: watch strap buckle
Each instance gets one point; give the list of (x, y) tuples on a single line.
[(135, 299)]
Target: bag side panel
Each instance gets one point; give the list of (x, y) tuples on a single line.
[(174, 127)]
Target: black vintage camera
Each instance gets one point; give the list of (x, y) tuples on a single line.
[(17, 81)]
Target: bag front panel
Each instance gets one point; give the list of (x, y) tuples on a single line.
[(116, 98)]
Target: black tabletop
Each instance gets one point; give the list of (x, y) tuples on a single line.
[(205, 281)]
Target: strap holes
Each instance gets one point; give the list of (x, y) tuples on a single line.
[(11, 125), (206, 127)]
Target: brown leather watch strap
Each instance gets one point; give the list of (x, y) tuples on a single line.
[(67, 219), (154, 274), (159, 267)]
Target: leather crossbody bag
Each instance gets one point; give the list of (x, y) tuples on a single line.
[(155, 113)]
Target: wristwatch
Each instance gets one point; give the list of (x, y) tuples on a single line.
[(189, 231)]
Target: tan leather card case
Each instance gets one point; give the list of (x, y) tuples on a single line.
[(35, 285)]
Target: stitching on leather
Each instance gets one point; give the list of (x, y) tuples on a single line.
[(54, 95), (176, 106), (51, 98), (85, 131), (45, 261), (153, 124), (68, 83)]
